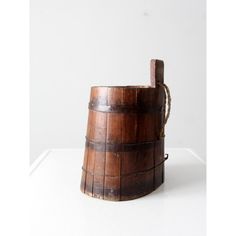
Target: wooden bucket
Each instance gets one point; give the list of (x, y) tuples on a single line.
[(124, 153)]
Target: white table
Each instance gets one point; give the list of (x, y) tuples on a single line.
[(59, 208)]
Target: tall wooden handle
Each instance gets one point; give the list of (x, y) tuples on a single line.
[(157, 80), (157, 72)]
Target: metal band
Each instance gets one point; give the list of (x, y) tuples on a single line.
[(119, 147), (125, 108), (125, 175)]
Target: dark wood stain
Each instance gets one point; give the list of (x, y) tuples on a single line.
[(124, 151)]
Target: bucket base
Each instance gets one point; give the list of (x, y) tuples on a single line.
[(133, 191), (124, 198)]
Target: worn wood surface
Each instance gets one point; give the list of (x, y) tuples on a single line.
[(124, 153)]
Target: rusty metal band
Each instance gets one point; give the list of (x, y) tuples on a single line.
[(125, 108), (128, 174), (119, 147)]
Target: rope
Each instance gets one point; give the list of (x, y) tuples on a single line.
[(168, 103)]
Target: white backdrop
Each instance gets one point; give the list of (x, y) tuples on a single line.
[(76, 44)]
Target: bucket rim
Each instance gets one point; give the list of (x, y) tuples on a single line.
[(125, 87)]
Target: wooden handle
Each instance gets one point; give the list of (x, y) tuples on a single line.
[(157, 81), (157, 72)]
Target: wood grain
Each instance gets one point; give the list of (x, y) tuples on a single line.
[(124, 153)]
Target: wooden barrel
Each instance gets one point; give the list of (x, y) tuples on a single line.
[(124, 153)]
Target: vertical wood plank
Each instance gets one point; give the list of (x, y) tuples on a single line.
[(157, 76), (157, 72), (105, 153)]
